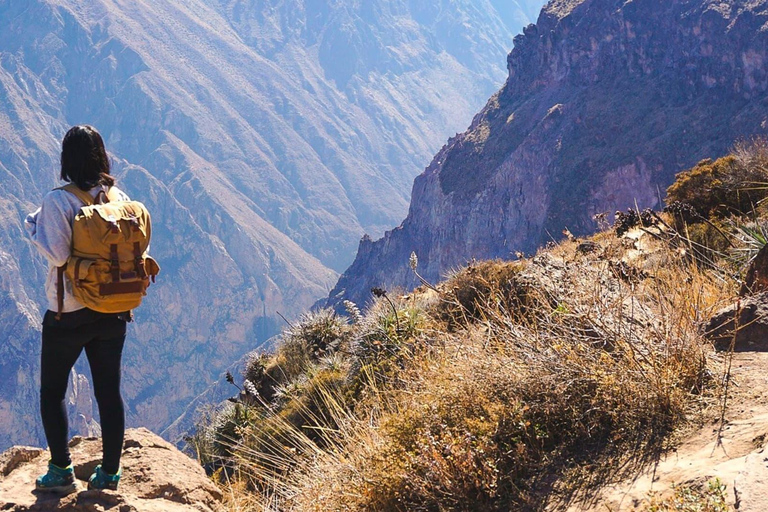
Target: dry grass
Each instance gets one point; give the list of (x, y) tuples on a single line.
[(511, 385), (515, 386)]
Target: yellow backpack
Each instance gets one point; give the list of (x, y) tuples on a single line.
[(109, 267)]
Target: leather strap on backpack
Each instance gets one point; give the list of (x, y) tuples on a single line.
[(114, 266), (87, 198), (60, 290), (138, 265), (81, 194)]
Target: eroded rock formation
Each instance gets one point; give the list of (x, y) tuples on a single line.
[(605, 101)]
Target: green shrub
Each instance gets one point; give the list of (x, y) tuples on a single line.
[(709, 240), (469, 291), (383, 342), (693, 498), (703, 200), (265, 374), (228, 426), (315, 336), (314, 407), (303, 421), (721, 188)]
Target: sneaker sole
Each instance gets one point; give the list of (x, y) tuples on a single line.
[(63, 489), (94, 488)]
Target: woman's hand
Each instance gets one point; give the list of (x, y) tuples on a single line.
[(30, 223)]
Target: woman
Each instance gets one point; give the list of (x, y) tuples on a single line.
[(84, 162)]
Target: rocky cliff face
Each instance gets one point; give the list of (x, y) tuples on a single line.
[(156, 478), (605, 101), (265, 137)]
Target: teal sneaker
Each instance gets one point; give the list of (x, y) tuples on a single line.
[(100, 479), (61, 480)]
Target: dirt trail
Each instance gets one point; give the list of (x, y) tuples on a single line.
[(737, 460)]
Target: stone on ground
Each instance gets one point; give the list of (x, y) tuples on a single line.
[(745, 323), (751, 486)]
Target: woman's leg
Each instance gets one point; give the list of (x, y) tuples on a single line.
[(61, 348), (104, 353)]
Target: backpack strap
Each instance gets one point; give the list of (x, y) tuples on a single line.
[(60, 290), (81, 194), (109, 196), (88, 200)]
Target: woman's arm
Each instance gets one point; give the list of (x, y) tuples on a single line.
[(50, 228)]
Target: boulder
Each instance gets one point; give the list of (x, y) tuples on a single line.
[(756, 280), (747, 320), (751, 485), (15, 457), (156, 478), (587, 246)]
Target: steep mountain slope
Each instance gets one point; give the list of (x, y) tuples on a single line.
[(605, 101), (265, 137)]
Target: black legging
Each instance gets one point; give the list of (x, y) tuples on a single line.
[(103, 337)]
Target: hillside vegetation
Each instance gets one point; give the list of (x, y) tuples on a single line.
[(511, 385)]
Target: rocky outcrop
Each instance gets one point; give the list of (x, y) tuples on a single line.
[(743, 325), (156, 478), (605, 101), (751, 485), (264, 136), (756, 280)]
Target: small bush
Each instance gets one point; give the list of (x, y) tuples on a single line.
[(721, 188), (704, 200), (469, 290), (316, 335), (383, 342), (199, 442), (752, 153), (306, 409), (693, 498), (708, 240), (633, 218), (311, 409), (285, 383), (265, 374), (444, 452), (227, 429)]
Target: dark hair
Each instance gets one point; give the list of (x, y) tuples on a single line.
[(84, 159)]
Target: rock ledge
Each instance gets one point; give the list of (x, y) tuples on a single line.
[(156, 478)]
